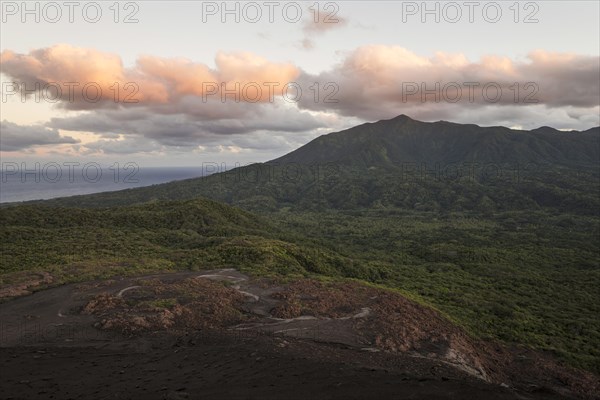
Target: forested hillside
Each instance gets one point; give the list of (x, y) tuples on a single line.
[(498, 229)]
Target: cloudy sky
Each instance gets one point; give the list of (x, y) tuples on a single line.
[(181, 83)]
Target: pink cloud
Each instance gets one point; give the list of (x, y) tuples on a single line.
[(153, 80), (370, 81), (381, 81)]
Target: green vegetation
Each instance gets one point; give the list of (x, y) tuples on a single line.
[(159, 303), (510, 252), (522, 277), (77, 244)]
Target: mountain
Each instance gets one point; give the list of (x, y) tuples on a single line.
[(407, 164), (404, 140), (496, 228)]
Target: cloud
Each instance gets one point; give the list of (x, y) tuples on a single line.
[(269, 127), (146, 121), (307, 44), (89, 79), (319, 22), (375, 82), (126, 145), (175, 113), (259, 141), (325, 22), (21, 137)]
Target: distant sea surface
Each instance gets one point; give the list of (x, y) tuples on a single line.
[(51, 183)]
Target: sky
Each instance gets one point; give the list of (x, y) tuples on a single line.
[(184, 83)]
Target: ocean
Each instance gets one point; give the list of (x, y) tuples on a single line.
[(53, 181)]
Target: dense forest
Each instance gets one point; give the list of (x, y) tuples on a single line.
[(496, 228)]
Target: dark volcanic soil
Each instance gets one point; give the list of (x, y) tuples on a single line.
[(221, 335), (221, 368)]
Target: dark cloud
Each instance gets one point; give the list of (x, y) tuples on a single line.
[(20, 137), (167, 126)]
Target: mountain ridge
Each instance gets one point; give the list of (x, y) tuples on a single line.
[(403, 163), (403, 139)]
